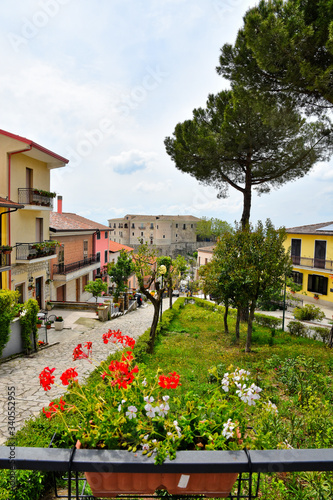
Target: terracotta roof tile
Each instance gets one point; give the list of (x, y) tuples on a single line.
[(71, 222), (313, 229), (9, 203), (116, 247)]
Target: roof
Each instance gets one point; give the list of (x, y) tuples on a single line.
[(323, 228), (116, 247), (157, 217), (206, 249), (9, 204), (43, 154), (72, 222)]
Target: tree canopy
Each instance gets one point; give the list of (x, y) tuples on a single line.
[(211, 229), (247, 142), (247, 265), (285, 47), (120, 271)]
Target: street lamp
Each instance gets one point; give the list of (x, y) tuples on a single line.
[(162, 270)]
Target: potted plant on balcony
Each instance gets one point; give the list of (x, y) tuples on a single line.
[(6, 249), (48, 325), (59, 323), (141, 410), (39, 323)]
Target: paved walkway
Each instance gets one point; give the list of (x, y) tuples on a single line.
[(80, 327)]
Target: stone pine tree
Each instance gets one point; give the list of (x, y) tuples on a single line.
[(285, 47), (246, 142)]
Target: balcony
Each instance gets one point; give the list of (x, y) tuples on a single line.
[(36, 252), (64, 272), (37, 199), (4, 261), (312, 263)]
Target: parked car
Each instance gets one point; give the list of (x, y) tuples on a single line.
[(175, 293)]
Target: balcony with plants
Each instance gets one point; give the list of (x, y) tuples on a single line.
[(61, 270), (5, 251), (36, 198), (41, 250)]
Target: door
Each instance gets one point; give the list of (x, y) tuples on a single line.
[(296, 251), (320, 254), (78, 290), (61, 293), (39, 291)]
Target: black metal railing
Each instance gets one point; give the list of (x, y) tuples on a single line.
[(31, 196), (312, 263), (74, 266), (186, 462), (4, 260), (35, 250)]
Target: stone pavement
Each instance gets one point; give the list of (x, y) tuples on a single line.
[(21, 374)]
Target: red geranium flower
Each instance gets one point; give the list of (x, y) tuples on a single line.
[(170, 382), (69, 375), (46, 378)]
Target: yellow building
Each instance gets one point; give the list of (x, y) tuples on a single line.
[(25, 181), (311, 250)]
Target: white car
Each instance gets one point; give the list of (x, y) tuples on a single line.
[(175, 293)]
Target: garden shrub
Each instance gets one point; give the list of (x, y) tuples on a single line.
[(28, 323), (297, 328), (320, 333), (8, 300), (308, 312), (267, 321)]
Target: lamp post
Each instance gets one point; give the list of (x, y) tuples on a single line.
[(284, 302), (162, 270)]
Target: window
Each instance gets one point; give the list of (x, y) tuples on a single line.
[(184, 226), (106, 235), (85, 249), (163, 235), (317, 284), (176, 235), (176, 226), (114, 225), (98, 234), (133, 225), (120, 234), (106, 256), (191, 226), (121, 225), (98, 256), (156, 227), (141, 233), (151, 225), (39, 229), (297, 277), (84, 281), (132, 234), (142, 226)]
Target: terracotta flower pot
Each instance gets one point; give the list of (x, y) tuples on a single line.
[(110, 484)]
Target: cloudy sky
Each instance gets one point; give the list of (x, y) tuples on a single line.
[(104, 82)]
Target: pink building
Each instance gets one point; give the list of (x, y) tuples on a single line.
[(82, 256)]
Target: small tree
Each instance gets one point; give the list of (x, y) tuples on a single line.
[(121, 271), (150, 273), (96, 287), (211, 229)]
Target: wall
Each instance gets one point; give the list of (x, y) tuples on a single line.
[(14, 344)]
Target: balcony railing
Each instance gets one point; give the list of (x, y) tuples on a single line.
[(37, 250), (31, 196), (4, 260), (312, 263), (243, 462), (75, 266)]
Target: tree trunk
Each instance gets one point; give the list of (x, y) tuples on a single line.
[(247, 198), (238, 318), (225, 317), (153, 327), (170, 297), (249, 327)]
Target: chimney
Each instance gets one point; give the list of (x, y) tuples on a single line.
[(59, 205)]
